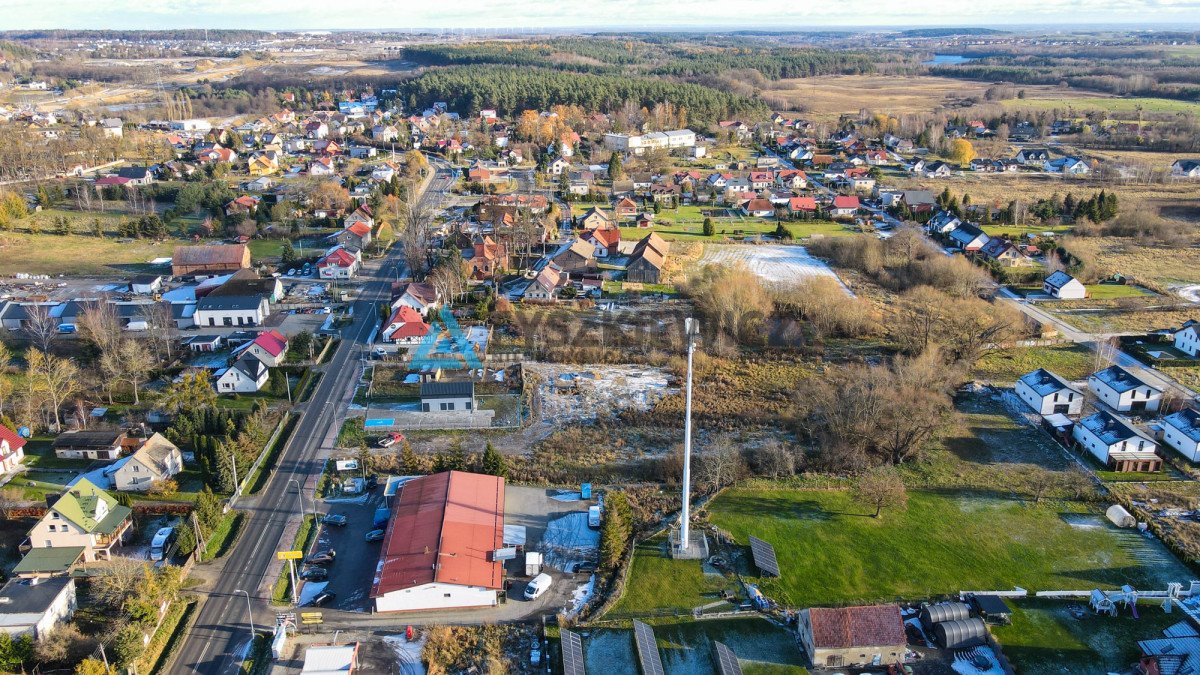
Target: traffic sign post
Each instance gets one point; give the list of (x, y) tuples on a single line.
[(292, 557)]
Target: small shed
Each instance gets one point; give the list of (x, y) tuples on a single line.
[(943, 611), (960, 634), (992, 608), (1120, 517)]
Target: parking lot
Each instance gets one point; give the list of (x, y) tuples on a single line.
[(351, 575)]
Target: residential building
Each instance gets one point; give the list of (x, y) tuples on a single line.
[(439, 545), (852, 636), (658, 140), (969, 237), (136, 175), (648, 260), (576, 257), (418, 295), (607, 241), (453, 396), (35, 607), (1048, 393), (11, 450), (1064, 287), (231, 310), (546, 284), (1116, 443), (1181, 430), (158, 459), (1033, 157), (339, 263), (269, 346), (1072, 166), (595, 219), (1187, 339), (1004, 252), (1186, 168), (84, 518), (406, 326), (844, 206), (1123, 391), (246, 376)]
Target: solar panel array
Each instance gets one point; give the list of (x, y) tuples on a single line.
[(727, 663), (647, 649), (764, 556), (572, 652)]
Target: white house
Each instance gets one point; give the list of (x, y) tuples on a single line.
[(1121, 390), (1186, 168), (1187, 339), (1048, 393), (969, 237), (1068, 165), (439, 545), (158, 459), (270, 347), (1116, 443), (36, 606), (246, 376), (1033, 157), (420, 296), (1181, 431), (943, 222), (453, 396), (1064, 287), (406, 326), (11, 450), (231, 310), (339, 263)]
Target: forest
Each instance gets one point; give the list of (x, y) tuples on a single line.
[(510, 90)]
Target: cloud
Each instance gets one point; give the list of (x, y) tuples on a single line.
[(514, 14)]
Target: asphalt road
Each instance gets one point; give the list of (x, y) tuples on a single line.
[(217, 640)]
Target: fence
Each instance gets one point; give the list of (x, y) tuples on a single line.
[(407, 419)]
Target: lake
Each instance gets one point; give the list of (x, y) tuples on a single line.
[(948, 60)]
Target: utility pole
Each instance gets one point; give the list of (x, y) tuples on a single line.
[(691, 329), (249, 612), (237, 487)]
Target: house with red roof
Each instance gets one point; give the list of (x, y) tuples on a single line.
[(339, 263), (759, 208), (802, 205), (486, 257), (607, 241), (360, 216), (852, 636), (626, 208), (844, 206), (405, 327), (110, 181), (270, 347), (438, 550), (242, 206), (11, 452)]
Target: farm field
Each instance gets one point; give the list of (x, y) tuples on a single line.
[(946, 541), (1044, 639), (1118, 321), (685, 648), (1004, 366), (776, 263), (1164, 266), (1117, 107), (1114, 291)]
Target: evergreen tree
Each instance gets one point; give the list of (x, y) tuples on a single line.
[(616, 168), (409, 460), (493, 462), (616, 528), (287, 255), (709, 228)]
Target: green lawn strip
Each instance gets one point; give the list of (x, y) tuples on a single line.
[(39, 455), (1045, 639), (660, 584), (1114, 291), (258, 478), (259, 659), (223, 535), (1004, 366), (281, 593), (946, 541), (168, 637)]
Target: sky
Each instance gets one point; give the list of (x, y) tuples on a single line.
[(589, 14)]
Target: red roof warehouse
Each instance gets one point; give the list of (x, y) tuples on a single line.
[(437, 552)]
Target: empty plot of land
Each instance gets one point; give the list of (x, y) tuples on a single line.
[(775, 264)]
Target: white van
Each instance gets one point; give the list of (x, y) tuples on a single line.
[(161, 543), (538, 585), (594, 517)]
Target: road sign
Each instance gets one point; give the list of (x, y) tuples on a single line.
[(289, 555)]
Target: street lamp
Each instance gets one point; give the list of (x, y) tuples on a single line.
[(249, 613), (691, 329), (300, 497)]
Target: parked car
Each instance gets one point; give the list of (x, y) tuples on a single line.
[(322, 598), (374, 535), (391, 439), (322, 558), (372, 482), (335, 519), (537, 586), (535, 655), (314, 574)]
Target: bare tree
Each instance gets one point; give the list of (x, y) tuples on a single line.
[(40, 327), (163, 330), (59, 378), (881, 488), (720, 464), (137, 363), (100, 325)]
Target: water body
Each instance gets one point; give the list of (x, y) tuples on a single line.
[(948, 60)]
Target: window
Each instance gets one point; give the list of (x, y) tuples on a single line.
[(53, 528), (49, 544), (54, 515), (445, 595)]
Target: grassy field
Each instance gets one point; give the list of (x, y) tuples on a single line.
[(223, 535), (1158, 264), (1119, 108), (1044, 639), (1117, 321), (1004, 366), (1115, 291), (946, 541), (1188, 377), (658, 583), (687, 223), (74, 255)]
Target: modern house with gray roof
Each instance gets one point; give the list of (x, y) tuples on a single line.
[(36, 606), (1123, 391), (448, 396), (231, 310), (1116, 443), (1048, 393), (1181, 431)]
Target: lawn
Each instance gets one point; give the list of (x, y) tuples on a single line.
[(1188, 377), (659, 584), (223, 535), (265, 248), (282, 591), (832, 552), (1004, 366), (1115, 291), (38, 455), (1045, 639), (74, 255), (1121, 321), (1116, 107), (687, 223)]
